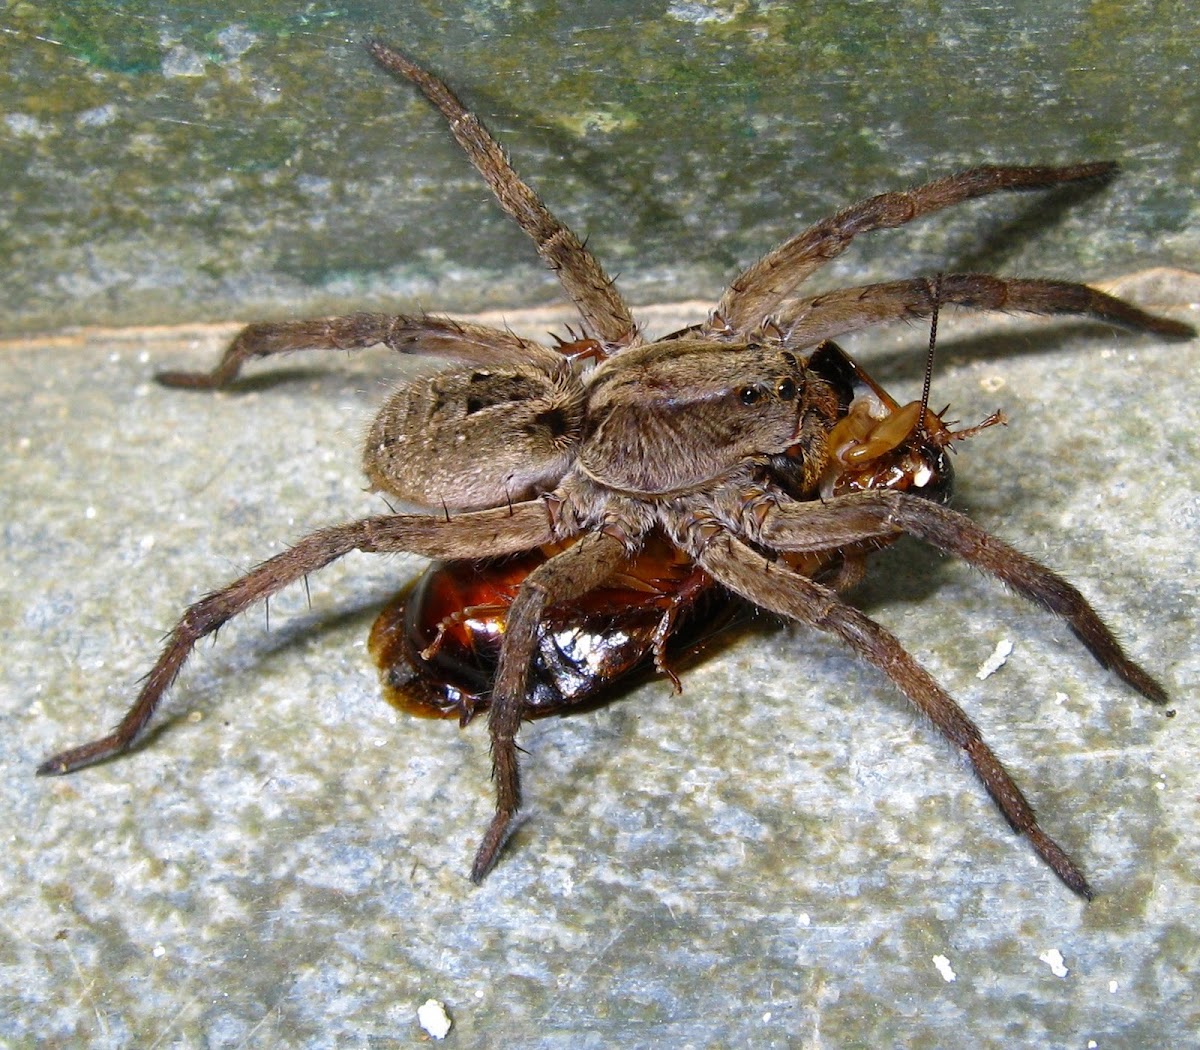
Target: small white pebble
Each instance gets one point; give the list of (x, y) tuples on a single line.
[(766, 1017), (159, 951), (994, 662), (1092, 1044), (89, 513), (1061, 698), (804, 919), (1112, 987), (432, 1016), (943, 967), (1053, 958)]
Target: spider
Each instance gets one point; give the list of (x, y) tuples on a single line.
[(438, 643), (715, 438)]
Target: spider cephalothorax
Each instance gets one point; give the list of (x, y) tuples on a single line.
[(731, 442)]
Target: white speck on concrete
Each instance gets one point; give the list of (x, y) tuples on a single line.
[(432, 1016), (944, 968), (997, 660), (1053, 958)]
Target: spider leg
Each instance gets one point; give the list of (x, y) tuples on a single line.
[(755, 293), (773, 586), (432, 336), (575, 571), (578, 270), (466, 535), (806, 322), (804, 526)]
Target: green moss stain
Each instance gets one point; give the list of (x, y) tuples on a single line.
[(261, 149)]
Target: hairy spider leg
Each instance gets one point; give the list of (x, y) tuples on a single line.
[(578, 270), (757, 290), (470, 534), (573, 572), (805, 322), (789, 594)]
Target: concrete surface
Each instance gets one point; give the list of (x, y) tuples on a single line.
[(782, 856)]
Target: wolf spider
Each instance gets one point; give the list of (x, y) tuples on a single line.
[(715, 438), (437, 644)]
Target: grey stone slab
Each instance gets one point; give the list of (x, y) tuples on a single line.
[(783, 855)]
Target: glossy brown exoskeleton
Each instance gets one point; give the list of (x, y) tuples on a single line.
[(726, 441), (438, 644)]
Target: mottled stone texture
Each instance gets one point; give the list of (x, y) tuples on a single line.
[(781, 851), (781, 856)]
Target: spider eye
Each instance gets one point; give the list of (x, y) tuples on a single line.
[(786, 389), (749, 395)]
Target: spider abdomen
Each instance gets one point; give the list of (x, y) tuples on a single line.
[(469, 438)]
